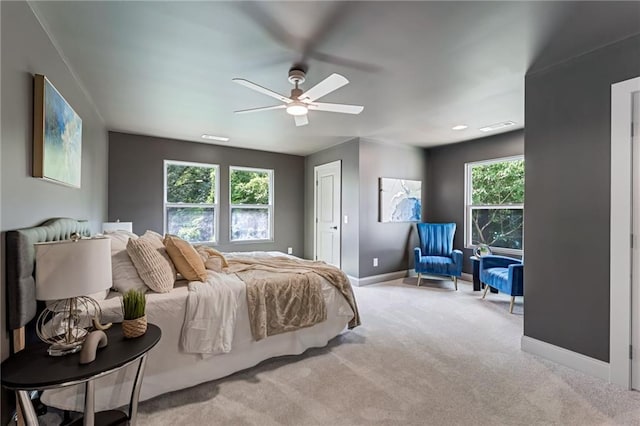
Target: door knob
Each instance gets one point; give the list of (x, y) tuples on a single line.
[(334, 227)]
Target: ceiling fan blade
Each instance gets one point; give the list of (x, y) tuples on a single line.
[(244, 111), (301, 120), (343, 108), (326, 86), (262, 90)]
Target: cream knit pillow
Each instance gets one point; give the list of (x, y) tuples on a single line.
[(153, 265), (157, 243)]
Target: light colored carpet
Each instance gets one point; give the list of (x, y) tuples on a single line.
[(423, 356)]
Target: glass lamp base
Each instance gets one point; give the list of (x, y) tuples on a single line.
[(61, 350)]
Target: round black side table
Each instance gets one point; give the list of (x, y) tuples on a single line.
[(34, 369)]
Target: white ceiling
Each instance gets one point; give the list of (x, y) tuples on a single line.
[(419, 68)]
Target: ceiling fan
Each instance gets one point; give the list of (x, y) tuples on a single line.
[(300, 102)]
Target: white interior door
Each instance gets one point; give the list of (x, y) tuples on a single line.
[(635, 290), (327, 212)]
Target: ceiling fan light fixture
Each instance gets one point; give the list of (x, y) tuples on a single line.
[(297, 108)]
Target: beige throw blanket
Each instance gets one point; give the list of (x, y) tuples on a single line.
[(285, 294)]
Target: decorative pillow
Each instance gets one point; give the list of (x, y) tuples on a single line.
[(153, 236), (153, 266), (212, 258), (157, 242), (123, 272), (120, 233), (185, 258)]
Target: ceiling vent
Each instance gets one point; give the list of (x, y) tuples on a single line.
[(497, 126)]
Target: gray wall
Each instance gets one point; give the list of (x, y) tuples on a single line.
[(26, 201), (364, 237), (445, 188), (567, 151), (136, 193), (391, 243), (349, 153)]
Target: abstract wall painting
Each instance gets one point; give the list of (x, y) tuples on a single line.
[(57, 136), (400, 200)]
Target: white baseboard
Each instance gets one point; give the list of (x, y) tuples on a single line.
[(575, 360), (373, 279)]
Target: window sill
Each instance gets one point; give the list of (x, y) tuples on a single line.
[(250, 241), (501, 251)]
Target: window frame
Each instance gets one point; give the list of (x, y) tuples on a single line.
[(270, 206), (469, 207), (215, 206)]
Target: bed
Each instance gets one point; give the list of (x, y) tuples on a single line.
[(168, 368)]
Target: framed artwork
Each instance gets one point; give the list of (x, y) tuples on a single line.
[(57, 136), (400, 200)]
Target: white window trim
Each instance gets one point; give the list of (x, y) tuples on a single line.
[(269, 206), (215, 206), (468, 207)]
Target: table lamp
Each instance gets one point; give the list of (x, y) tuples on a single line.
[(117, 226), (66, 272)]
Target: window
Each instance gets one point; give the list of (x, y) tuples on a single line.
[(191, 200), (494, 200), (251, 200)]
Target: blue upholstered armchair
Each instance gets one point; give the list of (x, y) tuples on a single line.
[(505, 274), (436, 254)]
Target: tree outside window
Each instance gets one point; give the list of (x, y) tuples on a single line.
[(495, 204), (191, 200), (251, 200)]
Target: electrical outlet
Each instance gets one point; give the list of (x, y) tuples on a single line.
[(375, 261), (346, 219), (289, 250)]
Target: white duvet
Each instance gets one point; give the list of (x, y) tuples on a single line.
[(170, 367), (210, 317)]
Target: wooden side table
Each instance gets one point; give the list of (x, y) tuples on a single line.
[(477, 284), (475, 262), (34, 369)]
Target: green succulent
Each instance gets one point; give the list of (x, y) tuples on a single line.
[(133, 304)]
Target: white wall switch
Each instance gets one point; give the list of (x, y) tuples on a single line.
[(375, 261), (346, 219), (289, 250)]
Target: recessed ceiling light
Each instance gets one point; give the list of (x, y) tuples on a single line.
[(497, 126), (215, 138), (459, 127)]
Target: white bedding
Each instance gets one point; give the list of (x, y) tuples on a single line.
[(210, 317), (169, 368)]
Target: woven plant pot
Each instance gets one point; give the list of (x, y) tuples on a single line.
[(134, 328)]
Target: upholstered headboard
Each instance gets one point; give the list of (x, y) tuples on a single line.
[(20, 264)]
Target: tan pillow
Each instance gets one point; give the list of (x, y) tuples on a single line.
[(185, 258), (212, 258), (153, 266)]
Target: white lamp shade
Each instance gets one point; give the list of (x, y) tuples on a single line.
[(66, 269), (117, 226)]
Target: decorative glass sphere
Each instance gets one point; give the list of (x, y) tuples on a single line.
[(482, 250)]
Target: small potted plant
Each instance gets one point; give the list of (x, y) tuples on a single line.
[(134, 323)]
